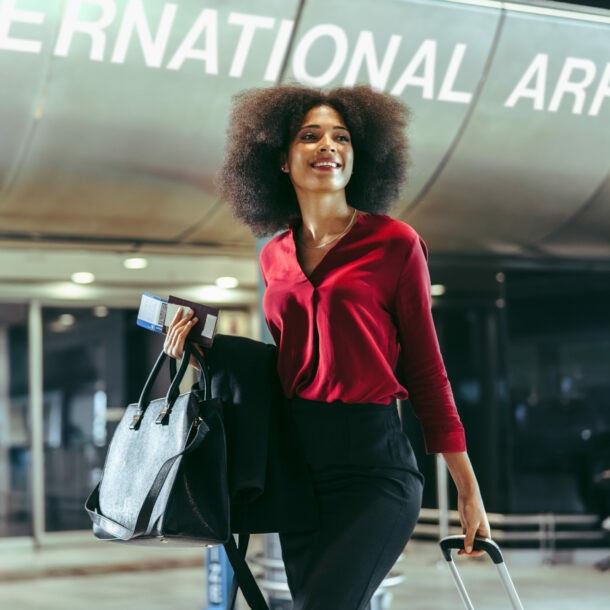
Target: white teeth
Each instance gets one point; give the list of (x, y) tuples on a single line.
[(325, 164)]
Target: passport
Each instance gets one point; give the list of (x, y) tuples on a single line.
[(156, 314)]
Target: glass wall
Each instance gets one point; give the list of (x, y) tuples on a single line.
[(84, 368), (559, 380), (94, 361), (528, 356), (15, 454)]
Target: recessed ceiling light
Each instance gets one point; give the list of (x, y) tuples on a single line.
[(62, 323), (437, 290), (66, 320), (227, 282), (211, 294), (100, 311), (83, 277), (135, 262), (69, 290)]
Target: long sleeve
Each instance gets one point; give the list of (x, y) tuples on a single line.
[(422, 366)]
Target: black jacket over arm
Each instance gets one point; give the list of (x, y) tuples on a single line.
[(270, 486)]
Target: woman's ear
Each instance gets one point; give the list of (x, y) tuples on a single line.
[(284, 165)]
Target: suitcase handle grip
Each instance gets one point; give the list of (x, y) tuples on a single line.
[(480, 544)]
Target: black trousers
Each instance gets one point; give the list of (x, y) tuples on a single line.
[(369, 491)]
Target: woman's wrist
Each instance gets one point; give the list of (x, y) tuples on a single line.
[(462, 474)]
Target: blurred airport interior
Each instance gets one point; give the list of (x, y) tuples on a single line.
[(114, 115)]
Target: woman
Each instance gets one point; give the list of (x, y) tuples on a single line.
[(347, 301)]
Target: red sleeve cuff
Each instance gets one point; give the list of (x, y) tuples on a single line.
[(454, 442)]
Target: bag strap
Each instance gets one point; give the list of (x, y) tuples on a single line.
[(190, 349), (120, 532), (176, 377), (174, 389), (242, 545), (243, 577), (172, 393)]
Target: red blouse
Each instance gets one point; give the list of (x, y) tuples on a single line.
[(359, 329)]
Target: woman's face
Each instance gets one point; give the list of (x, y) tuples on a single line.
[(320, 157)]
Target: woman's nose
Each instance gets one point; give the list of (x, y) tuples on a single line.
[(327, 144)]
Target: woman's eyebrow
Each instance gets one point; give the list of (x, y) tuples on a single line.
[(318, 127)]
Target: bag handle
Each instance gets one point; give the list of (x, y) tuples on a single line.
[(194, 351), (172, 393), (189, 351)]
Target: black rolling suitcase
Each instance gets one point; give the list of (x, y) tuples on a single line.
[(494, 552)]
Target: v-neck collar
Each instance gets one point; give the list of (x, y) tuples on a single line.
[(318, 270)]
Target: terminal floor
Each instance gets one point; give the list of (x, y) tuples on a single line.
[(90, 575)]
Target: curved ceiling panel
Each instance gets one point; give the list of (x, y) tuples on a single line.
[(114, 115), (534, 150), (131, 117), (24, 72), (587, 233)]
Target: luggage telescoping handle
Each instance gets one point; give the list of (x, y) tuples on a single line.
[(480, 544), (494, 552)]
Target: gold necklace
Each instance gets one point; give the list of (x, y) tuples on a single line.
[(335, 238)]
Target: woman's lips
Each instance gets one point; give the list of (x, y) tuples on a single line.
[(326, 165)]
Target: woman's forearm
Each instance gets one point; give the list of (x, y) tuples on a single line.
[(462, 472), (470, 504)]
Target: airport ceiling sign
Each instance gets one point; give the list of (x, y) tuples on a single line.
[(115, 113), (433, 69)]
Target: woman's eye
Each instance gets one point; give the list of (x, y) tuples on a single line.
[(311, 136)]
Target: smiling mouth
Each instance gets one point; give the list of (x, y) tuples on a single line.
[(326, 165)]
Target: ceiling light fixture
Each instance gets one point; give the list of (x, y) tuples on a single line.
[(227, 282), (100, 311), (83, 277), (437, 290), (69, 290), (211, 294), (135, 262), (66, 320)]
